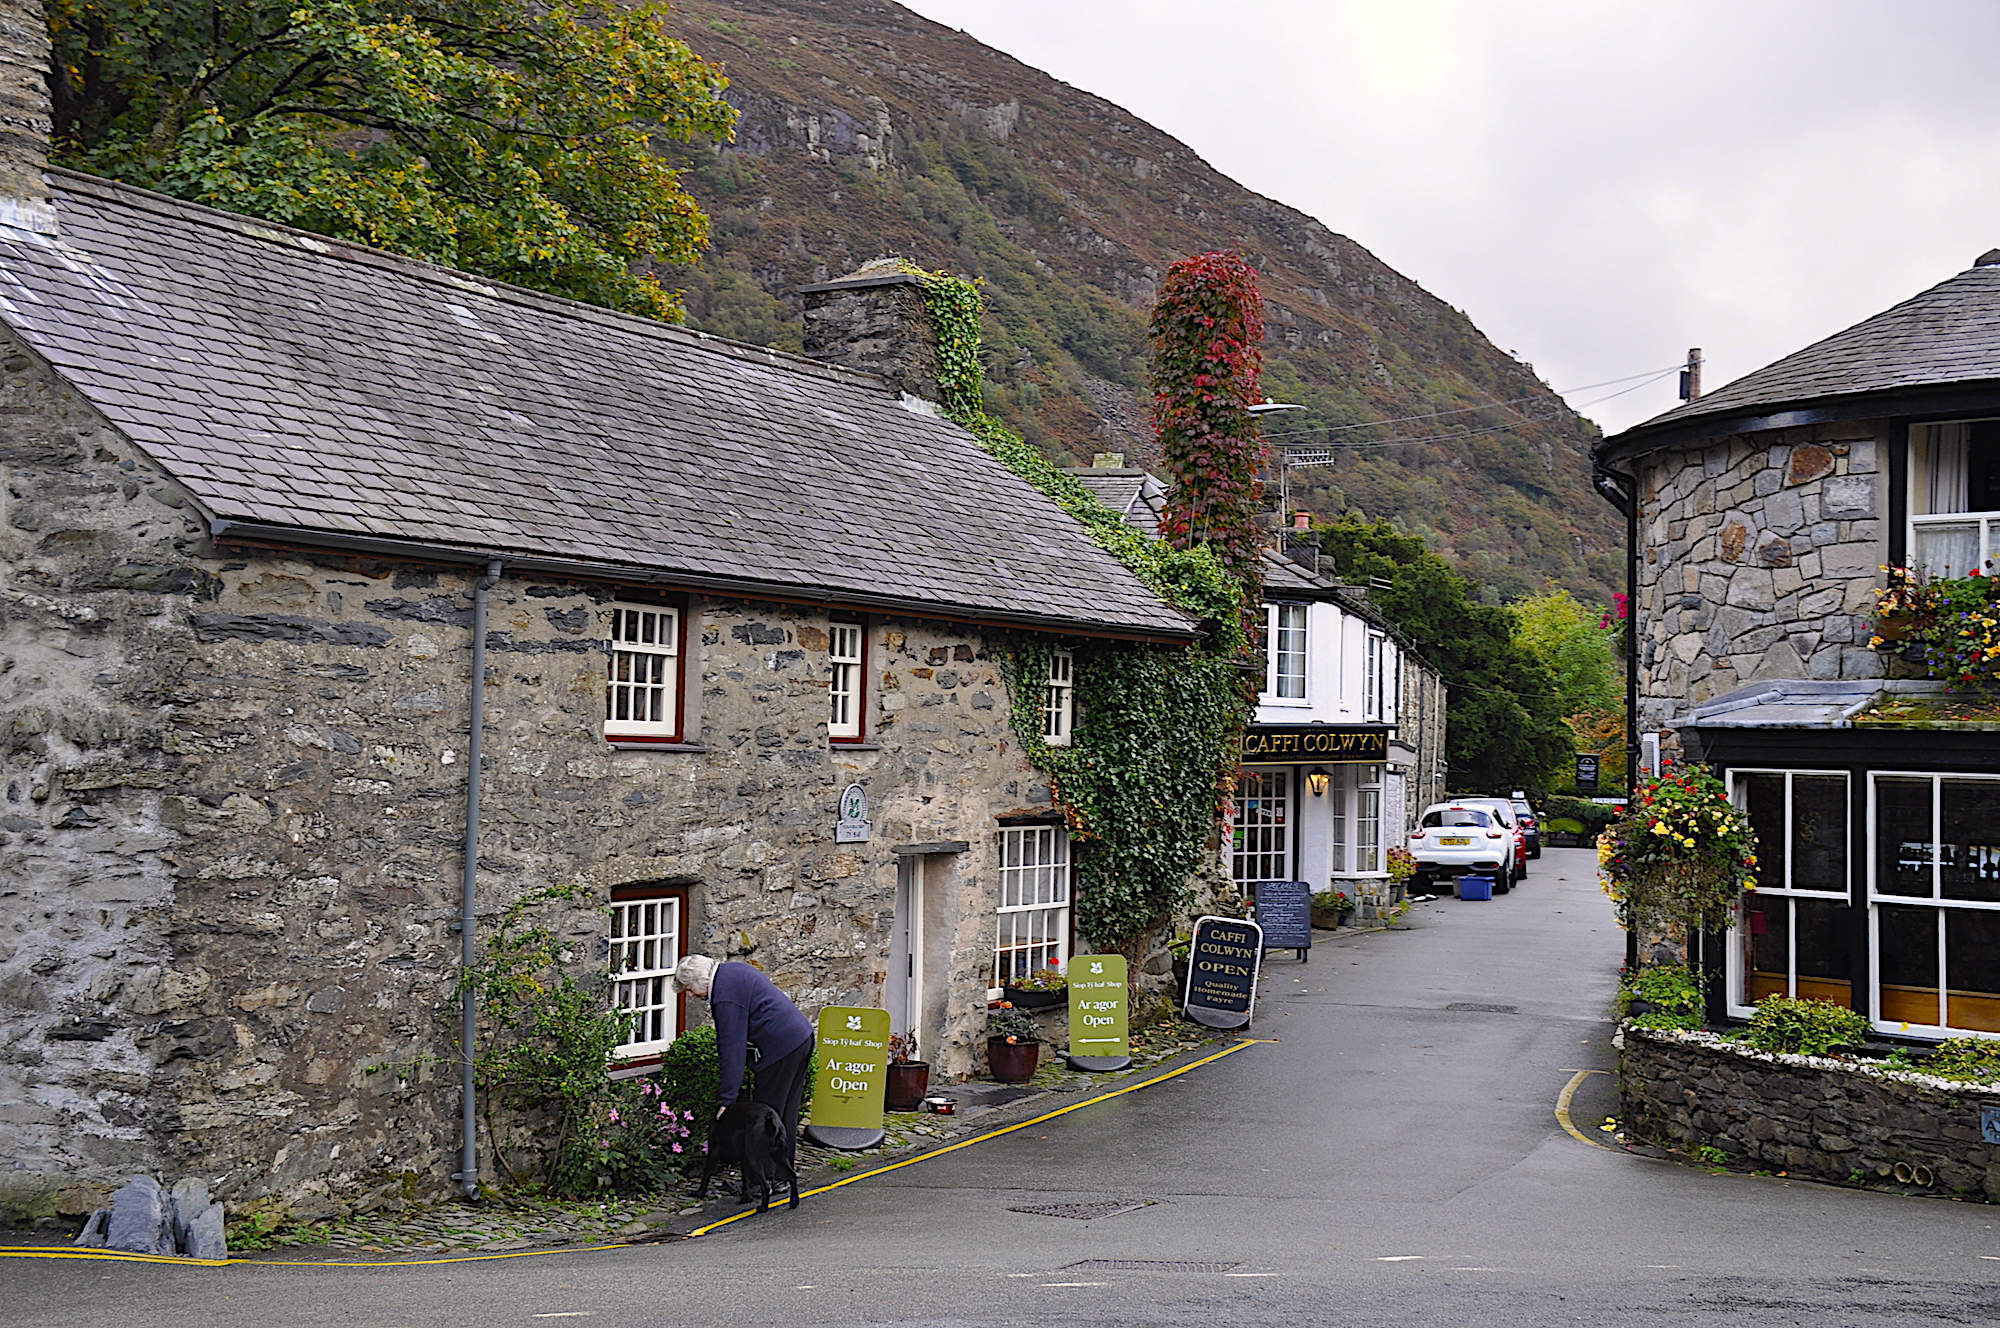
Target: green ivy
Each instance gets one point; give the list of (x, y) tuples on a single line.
[(1152, 759)]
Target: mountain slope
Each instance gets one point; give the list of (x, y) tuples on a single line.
[(869, 130)]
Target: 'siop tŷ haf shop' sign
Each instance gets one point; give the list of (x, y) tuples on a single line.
[(1099, 1014), (1222, 972), (853, 1075)]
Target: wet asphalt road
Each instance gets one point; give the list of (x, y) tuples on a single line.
[(1389, 1160)]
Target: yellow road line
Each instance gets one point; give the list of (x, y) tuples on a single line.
[(38, 1252), (995, 1134), (1562, 1109)]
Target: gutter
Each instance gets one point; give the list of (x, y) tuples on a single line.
[(262, 534), (467, 1174)]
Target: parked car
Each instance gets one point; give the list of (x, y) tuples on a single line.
[(1454, 838), (1530, 821), (1504, 809)]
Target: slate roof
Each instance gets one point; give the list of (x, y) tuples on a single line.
[(1949, 334), (296, 382), (1136, 495)]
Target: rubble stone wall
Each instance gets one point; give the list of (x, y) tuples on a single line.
[(1808, 1116), (232, 810), (1760, 557)]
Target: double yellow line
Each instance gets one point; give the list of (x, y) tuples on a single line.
[(35, 1252)]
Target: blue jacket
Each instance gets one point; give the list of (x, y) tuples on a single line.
[(751, 1014)]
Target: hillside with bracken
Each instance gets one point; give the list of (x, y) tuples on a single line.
[(868, 130)]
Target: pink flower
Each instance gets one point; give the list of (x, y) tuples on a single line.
[(614, 1115), (677, 1148)]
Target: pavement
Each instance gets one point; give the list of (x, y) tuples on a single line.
[(1392, 1157)]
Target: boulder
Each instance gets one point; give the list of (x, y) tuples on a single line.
[(205, 1239), (140, 1222), (92, 1235), (185, 1202)]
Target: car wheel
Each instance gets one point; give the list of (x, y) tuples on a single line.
[(1503, 881), (1521, 868), (1535, 852)]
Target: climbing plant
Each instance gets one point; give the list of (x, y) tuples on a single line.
[(1151, 761), (1205, 331)]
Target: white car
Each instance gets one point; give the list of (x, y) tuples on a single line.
[(1504, 808), (1454, 838)]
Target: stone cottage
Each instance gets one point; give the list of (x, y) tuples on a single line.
[(1763, 517), (347, 598)]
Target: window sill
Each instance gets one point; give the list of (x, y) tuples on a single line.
[(618, 746), (842, 745)]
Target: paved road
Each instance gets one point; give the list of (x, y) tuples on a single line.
[(1391, 1160)]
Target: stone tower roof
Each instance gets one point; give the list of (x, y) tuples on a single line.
[(309, 391), (1940, 344)]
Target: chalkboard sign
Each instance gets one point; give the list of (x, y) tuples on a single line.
[(1284, 911), (1222, 972), (1586, 772)]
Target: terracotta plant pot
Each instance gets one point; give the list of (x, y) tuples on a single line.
[(1326, 919), (908, 1082), (1012, 1062), (1025, 998)]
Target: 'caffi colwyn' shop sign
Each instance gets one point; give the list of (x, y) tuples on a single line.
[(1317, 742)]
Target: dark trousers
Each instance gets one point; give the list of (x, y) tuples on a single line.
[(780, 1085)]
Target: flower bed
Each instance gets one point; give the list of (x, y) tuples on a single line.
[(1842, 1119)]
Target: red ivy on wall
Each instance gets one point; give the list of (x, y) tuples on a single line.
[(1206, 332)]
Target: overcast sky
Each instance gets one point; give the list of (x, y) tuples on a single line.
[(1599, 186)]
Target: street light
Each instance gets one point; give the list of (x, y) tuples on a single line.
[(1268, 407)]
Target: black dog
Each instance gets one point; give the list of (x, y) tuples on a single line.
[(751, 1135)]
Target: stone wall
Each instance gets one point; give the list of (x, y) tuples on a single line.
[(1760, 556), (232, 807), (1807, 1116)]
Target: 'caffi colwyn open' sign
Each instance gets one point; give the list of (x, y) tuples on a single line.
[(1317, 742)]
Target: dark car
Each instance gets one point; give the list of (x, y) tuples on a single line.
[(1531, 823)]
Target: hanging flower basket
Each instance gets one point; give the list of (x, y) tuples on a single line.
[(1681, 855)]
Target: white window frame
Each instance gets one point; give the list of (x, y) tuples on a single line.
[(1257, 839), (1984, 526), (1368, 820), (1371, 678), (1936, 900), (847, 646), (1031, 930), (1737, 970), (643, 673), (645, 952), (1285, 642), (1059, 699)]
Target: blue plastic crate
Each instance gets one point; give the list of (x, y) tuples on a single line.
[(1475, 887)]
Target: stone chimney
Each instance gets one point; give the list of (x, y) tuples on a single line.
[(25, 122), (874, 320)]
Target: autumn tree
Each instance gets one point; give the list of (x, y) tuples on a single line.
[(501, 137)]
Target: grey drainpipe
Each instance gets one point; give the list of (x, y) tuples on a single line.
[(468, 1011), (1622, 492)]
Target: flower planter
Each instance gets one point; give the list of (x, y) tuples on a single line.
[(908, 1082), (1028, 998), (1012, 1062), (1326, 919)]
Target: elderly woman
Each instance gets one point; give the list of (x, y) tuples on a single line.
[(757, 1023)]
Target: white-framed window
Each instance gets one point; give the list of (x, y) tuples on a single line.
[(1033, 927), (641, 698), (1260, 834), (1371, 679), (1285, 652), (1336, 820), (845, 683), (1934, 902), (645, 950), (1954, 523), (1368, 819), (1793, 930), (1059, 699)]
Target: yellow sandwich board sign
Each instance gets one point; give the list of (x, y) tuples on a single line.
[(1099, 1013), (853, 1076)]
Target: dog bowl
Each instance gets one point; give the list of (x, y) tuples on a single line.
[(941, 1106)]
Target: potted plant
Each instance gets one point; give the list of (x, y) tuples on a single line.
[(909, 1078), (1039, 990), (1402, 869), (1013, 1046), (1330, 909)]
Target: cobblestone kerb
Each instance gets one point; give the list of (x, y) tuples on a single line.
[(1844, 1121)]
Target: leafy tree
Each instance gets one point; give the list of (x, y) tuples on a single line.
[(498, 136), (1558, 630), (1504, 727)]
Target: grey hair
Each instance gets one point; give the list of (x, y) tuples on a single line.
[(695, 973)]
